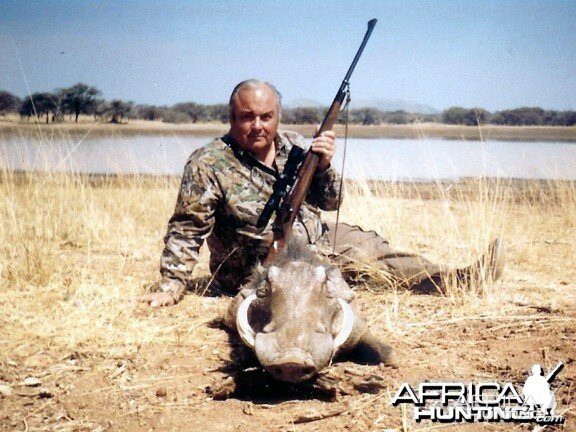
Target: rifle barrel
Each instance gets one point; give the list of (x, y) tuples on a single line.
[(334, 109), (287, 210), (371, 25)]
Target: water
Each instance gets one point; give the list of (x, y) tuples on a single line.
[(425, 159), (390, 159)]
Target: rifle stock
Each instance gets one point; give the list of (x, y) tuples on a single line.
[(290, 206)]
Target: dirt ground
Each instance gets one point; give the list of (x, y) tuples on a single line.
[(170, 386)]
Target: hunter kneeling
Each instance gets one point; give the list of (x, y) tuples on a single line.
[(226, 185)]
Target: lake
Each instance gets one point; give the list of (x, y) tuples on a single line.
[(389, 159)]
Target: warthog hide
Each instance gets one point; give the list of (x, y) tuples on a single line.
[(297, 314)]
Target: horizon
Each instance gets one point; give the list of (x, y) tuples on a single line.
[(492, 55)]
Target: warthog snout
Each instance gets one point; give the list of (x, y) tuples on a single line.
[(293, 367)]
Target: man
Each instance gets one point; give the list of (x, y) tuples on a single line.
[(225, 186), (536, 392)]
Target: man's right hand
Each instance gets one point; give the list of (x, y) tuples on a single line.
[(157, 299)]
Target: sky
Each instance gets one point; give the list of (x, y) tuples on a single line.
[(494, 54)]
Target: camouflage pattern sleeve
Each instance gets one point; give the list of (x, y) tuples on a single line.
[(189, 226)]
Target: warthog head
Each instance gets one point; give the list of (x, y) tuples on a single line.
[(296, 317)]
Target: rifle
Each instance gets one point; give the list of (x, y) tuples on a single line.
[(550, 377), (287, 204)]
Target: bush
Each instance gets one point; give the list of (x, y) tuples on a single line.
[(171, 116)]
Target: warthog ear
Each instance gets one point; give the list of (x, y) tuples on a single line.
[(266, 283), (337, 286)]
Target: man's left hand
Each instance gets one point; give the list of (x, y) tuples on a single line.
[(157, 299), (324, 146)]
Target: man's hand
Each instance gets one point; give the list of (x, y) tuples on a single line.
[(325, 146), (157, 299)]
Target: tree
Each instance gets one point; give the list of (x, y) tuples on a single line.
[(80, 99), (569, 118), (8, 102), (195, 111), (171, 116), (306, 115), (218, 112), (119, 109), (395, 117), (527, 116), (455, 115), (39, 104), (59, 108), (465, 116), (100, 109), (366, 116), (149, 112), (566, 118)]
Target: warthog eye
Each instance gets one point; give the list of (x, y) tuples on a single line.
[(264, 290), (321, 328)]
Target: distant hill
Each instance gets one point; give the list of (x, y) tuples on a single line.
[(381, 104), (299, 103), (394, 105)]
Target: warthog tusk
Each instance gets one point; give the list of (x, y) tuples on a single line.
[(347, 324), (247, 334), (244, 330)]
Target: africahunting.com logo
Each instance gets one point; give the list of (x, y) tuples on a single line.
[(449, 402)]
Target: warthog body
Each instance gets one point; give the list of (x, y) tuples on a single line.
[(297, 314)]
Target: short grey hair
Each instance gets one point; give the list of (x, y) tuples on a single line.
[(252, 83)]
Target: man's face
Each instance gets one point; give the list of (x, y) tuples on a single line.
[(255, 119)]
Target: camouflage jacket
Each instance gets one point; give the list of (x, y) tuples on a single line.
[(222, 194)]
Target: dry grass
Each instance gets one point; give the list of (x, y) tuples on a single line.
[(76, 249), (72, 248), (452, 223), (12, 125)]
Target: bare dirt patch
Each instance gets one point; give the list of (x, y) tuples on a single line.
[(166, 385)]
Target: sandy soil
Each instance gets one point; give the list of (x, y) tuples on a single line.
[(174, 385)]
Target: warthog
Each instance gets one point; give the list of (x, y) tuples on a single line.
[(297, 314)]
